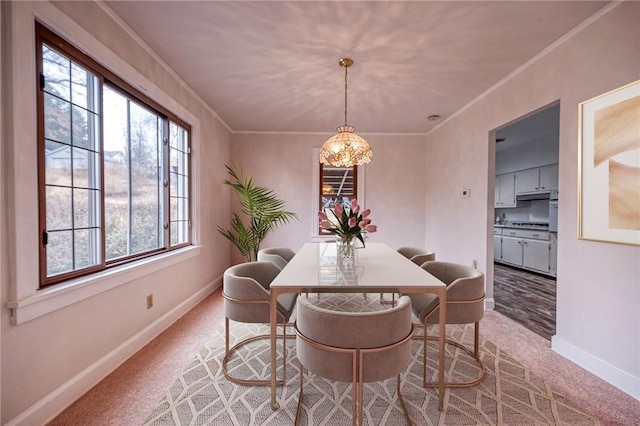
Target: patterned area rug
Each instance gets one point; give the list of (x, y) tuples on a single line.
[(509, 394)]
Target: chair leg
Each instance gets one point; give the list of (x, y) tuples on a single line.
[(307, 294), (391, 302), (357, 371), (226, 336), (404, 407), (424, 355), (232, 350), (360, 412), (300, 394), (284, 351), (476, 338), (475, 354)]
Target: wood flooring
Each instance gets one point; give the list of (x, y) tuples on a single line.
[(526, 298)]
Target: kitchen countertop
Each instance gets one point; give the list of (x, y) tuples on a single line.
[(535, 228)]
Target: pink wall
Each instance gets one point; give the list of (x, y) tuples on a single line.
[(394, 183), (598, 284)]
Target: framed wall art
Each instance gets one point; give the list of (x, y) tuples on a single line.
[(609, 167)]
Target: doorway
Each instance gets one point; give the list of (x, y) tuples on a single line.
[(525, 219)]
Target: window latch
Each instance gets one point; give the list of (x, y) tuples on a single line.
[(45, 237)]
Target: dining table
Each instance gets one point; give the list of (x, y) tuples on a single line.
[(374, 268)]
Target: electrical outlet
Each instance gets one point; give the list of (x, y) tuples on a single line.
[(150, 301)]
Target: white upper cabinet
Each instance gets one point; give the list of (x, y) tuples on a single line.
[(538, 179), (528, 181), (505, 195), (549, 177)]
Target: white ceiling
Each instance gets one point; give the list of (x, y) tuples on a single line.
[(273, 66)]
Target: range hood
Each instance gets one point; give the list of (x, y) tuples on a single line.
[(533, 196)]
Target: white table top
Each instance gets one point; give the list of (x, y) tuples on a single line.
[(376, 267)]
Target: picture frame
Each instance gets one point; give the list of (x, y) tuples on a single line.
[(609, 167)]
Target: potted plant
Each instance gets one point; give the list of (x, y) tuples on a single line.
[(263, 209)]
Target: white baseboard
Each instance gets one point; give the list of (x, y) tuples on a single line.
[(55, 402), (607, 372), (489, 304)]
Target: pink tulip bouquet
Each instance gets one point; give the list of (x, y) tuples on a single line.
[(349, 223)]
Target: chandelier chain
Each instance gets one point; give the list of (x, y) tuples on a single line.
[(345, 94)]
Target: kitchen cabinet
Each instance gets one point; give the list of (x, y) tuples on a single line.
[(505, 195), (535, 255), (526, 248), (497, 247), (512, 250), (497, 243), (553, 254), (549, 177), (527, 181), (538, 179)]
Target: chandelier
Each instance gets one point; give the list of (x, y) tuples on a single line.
[(345, 148)]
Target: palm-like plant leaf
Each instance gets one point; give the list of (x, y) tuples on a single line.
[(261, 206)]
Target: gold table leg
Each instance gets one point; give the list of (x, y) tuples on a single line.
[(273, 323), (442, 295)]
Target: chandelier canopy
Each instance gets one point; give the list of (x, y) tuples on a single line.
[(345, 148)]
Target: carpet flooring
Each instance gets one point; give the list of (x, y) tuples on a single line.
[(131, 392), (509, 394)]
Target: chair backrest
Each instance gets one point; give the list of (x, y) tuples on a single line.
[(465, 292), (278, 255), (246, 292), (417, 255), (335, 337)]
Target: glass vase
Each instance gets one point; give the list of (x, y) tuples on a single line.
[(346, 248)]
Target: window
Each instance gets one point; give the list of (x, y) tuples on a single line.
[(113, 167), (337, 184)]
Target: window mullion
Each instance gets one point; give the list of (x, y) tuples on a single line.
[(71, 161), (165, 158), (102, 253), (129, 178)]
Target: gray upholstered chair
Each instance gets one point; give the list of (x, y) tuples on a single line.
[(354, 347), (465, 305), (278, 255), (247, 299), (417, 256)]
